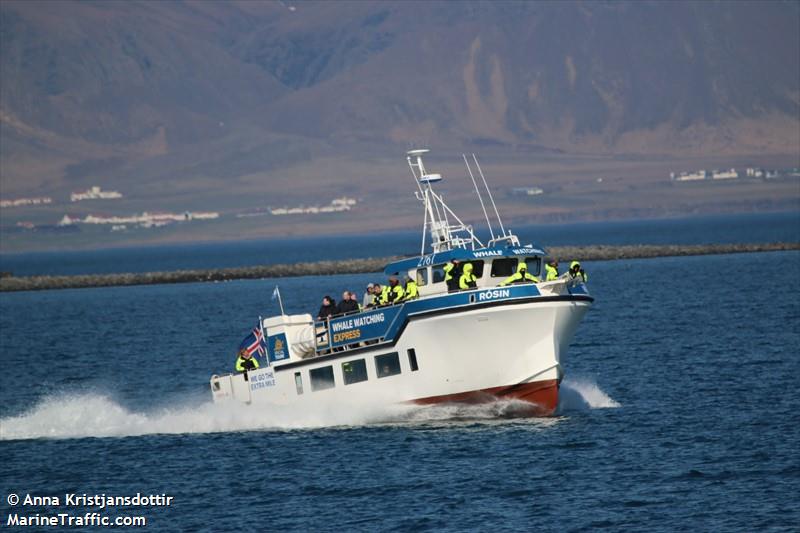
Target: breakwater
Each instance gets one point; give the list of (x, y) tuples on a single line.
[(362, 266)]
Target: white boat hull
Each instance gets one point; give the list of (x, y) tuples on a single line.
[(511, 349)]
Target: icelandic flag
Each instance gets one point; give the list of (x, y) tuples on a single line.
[(254, 343)]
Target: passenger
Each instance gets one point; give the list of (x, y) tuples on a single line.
[(245, 361), (367, 301), (467, 279), (575, 271), (378, 295), (521, 276), (327, 309), (452, 272), (347, 305), (354, 298), (552, 270), (347, 368), (395, 292), (411, 289)]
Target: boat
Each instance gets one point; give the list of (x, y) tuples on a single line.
[(492, 342)]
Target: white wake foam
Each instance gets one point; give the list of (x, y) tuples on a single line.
[(581, 394), (97, 415)]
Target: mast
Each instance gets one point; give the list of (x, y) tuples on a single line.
[(444, 235)]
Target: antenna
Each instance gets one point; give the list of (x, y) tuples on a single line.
[(444, 235), (480, 198), (490, 195)]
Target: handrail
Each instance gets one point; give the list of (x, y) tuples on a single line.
[(326, 324), (323, 327)]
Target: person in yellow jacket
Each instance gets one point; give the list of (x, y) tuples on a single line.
[(467, 279), (381, 294), (521, 276), (246, 362), (552, 270), (395, 292), (410, 289), (575, 271)]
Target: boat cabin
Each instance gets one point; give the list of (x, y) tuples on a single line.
[(490, 266)]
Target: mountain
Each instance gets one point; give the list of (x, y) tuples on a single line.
[(162, 96)]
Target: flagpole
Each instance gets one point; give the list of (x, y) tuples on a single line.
[(277, 292), (264, 339)]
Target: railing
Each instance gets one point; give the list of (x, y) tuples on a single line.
[(325, 340), (324, 334)]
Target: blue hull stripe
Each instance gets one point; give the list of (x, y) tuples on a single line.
[(409, 311)]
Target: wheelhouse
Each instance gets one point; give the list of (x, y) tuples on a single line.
[(490, 266)]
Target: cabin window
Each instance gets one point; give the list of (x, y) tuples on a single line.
[(477, 268), (298, 382), (422, 276), (438, 273), (387, 364), (412, 360), (354, 371), (534, 265), (321, 378), (502, 268)]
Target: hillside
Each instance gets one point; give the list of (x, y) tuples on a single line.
[(220, 101)]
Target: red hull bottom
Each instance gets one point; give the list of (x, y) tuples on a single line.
[(542, 395)]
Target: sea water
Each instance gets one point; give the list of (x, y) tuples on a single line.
[(679, 411)]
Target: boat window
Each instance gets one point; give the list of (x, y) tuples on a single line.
[(422, 276), (477, 268), (534, 265), (387, 364), (298, 382), (438, 273), (502, 268), (412, 360), (321, 378), (354, 371)]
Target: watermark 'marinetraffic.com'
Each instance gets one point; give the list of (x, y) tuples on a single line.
[(66, 510)]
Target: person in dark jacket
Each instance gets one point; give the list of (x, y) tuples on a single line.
[(347, 304), (452, 274), (328, 308)]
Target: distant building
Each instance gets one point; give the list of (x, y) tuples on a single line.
[(526, 191), (724, 174), (94, 193), (754, 173), (689, 176), (26, 201), (337, 204), (145, 220), (344, 202)]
